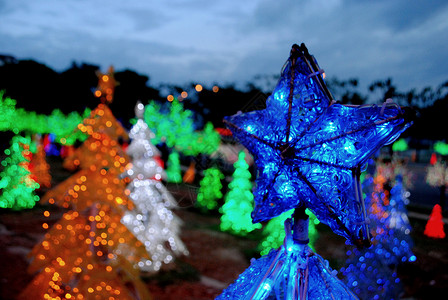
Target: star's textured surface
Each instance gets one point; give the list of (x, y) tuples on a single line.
[(293, 271), (309, 150)]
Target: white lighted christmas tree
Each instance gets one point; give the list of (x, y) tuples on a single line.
[(152, 220)]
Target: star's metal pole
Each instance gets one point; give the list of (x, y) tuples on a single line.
[(300, 236), (300, 226)]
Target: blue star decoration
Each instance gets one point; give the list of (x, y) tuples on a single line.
[(310, 150)]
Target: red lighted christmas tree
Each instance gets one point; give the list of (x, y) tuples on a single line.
[(434, 227)]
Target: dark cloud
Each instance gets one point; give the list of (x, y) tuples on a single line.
[(209, 41), (402, 15), (147, 19)]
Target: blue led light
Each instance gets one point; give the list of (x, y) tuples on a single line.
[(392, 244), (307, 149), (296, 274)]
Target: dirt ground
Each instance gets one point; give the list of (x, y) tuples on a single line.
[(216, 258)]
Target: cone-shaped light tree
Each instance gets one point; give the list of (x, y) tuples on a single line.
[(210, 189), (435, 227), (239, 201), (173, 171), (89, 253), (17, 188), (152, 220), (40, 169), (372, 272)]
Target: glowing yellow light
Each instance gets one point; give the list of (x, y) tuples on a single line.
[(170, 98), (105, 78), (215, 89), (45, 226), (198, 87), (46, 213), (90, 266), (68, 296), (90, 290)]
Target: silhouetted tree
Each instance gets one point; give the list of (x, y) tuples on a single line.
[(132, 87), (76, 85), (346, 91), (31, 84)]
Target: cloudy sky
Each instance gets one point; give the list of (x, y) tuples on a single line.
[(204, 41)]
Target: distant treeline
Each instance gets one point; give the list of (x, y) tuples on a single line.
[(37, 87)]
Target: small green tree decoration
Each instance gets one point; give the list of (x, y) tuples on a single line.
[(174, 125), (16, 185), (239, 201), (400, 145), (173, 171), (210, 189)]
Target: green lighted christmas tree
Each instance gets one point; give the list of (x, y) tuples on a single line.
[(16, 185), (239, 201), (173, 172), (400, 145), (19, 120), (210, 189), (174, 125)]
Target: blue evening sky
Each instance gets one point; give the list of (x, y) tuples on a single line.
[(206, 41)]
